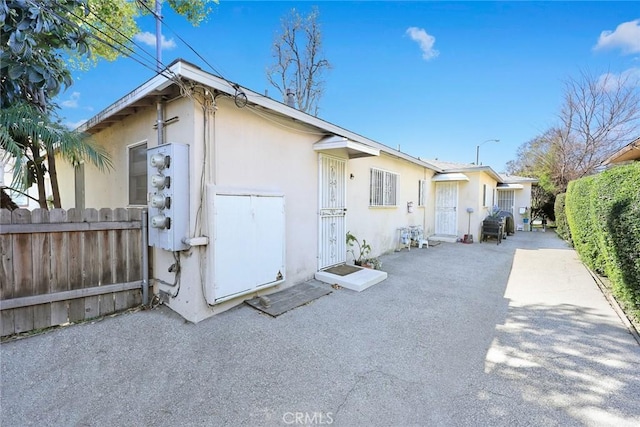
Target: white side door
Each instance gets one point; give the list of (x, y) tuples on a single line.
[(332, 248), (446, 208)]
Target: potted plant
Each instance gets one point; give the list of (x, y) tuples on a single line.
[(494, 214), (357, 249), (374, 263)]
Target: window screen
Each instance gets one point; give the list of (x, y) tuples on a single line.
[(138, 174)]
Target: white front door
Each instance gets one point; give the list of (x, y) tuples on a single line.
[(332, 209), (446, 208)]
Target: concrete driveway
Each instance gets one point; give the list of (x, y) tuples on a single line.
[(458, 335)]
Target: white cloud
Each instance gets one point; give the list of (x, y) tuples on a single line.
[(72, 102), (612, 81), (150, 40), (75, 125), (425, 41), (626, 37)]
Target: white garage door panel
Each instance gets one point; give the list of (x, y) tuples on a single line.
[(269, 232), (249, 243)]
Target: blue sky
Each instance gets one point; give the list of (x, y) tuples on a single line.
[(433, 78)]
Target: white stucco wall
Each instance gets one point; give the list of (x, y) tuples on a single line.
[(111, 188), (522, 199), (251, 150), (248, 151), (379, 225), (470, 195), (260, 152)]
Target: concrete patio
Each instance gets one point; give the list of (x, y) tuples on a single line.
[(458, 335)]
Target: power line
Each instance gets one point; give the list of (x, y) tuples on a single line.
[(110, 41), (183, 41), (121, 47), (149, 62), (232, 84)]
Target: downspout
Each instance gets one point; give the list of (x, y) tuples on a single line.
[(209, 141), (145, 258), (160, 141), (424, 203), (159, 105)]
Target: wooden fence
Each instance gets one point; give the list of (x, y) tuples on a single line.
[(64, 266)]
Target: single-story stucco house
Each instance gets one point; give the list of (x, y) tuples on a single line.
[(466, 194), (262, 195)]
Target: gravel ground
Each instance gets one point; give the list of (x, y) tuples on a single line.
[(458, 335)]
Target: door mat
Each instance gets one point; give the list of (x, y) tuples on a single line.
[(288, 299), (342, 270)]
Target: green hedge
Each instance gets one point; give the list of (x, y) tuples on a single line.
[(603, 213), (562, 228), (582, 224)]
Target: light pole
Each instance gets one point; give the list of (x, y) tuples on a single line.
[(478, 149)]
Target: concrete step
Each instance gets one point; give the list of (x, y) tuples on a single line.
[(357, 281)]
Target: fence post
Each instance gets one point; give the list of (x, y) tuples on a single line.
[(145, 258)]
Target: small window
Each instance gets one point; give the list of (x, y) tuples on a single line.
[(138, 174), (421, 190), (383, 188), (484, 195)]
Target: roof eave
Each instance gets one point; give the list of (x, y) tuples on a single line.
[(630, 151), (180, 68)]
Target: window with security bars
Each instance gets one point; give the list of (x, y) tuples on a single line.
[(383, 188), (506, 200)]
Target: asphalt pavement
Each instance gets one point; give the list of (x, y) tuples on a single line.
[(516, 334)]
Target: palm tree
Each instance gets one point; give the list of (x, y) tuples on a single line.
[(32, 139)]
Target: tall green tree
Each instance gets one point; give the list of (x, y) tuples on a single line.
[(37, 40), (32, 139), (113, 24), (34, 38)]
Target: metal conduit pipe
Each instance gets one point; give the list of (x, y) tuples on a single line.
[(145, 258), (160, 120)]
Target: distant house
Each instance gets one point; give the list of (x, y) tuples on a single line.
[(247, 195), (465, 194), (628, 153)]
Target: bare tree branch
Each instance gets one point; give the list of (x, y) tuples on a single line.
[(599, 115), (299, 60)]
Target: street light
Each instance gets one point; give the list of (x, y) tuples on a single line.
[(478, 149)]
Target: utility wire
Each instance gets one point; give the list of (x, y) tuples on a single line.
[(110, 41), (125, 37), (149, 62), (160, 18)]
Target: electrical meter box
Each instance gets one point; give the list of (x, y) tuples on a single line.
[(168, 196)]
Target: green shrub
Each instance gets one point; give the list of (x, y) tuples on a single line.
[(562, 228), (580, 217), (603, 214), (617, 208)]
